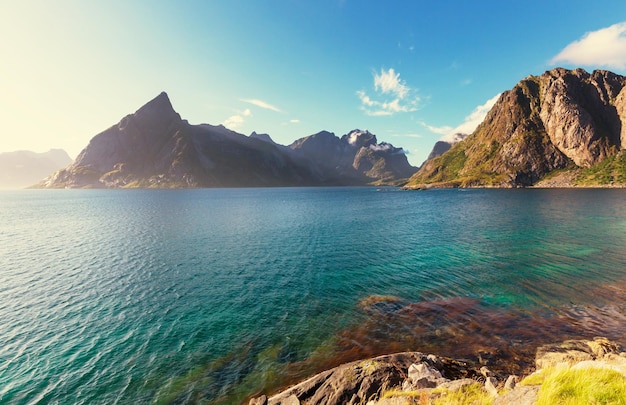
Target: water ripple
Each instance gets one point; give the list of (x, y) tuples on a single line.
[(185, 296)]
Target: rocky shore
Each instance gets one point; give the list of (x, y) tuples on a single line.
[(418, 378)]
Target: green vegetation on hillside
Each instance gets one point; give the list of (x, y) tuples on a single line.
[(611, 171)]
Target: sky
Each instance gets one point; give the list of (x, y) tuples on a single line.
[(412, 72)]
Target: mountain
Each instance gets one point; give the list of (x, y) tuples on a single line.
[(22, 168), (565, 124), (155, 147), (444, 145), (356, 156)]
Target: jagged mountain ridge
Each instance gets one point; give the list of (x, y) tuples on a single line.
[(155, 147), (568, 120), (356, 155)]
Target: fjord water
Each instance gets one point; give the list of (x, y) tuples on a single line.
[(196, 296)]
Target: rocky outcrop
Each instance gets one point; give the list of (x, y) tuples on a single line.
[(23, 168), (155, 147), (563, 119), (413, 377), (361, 381)]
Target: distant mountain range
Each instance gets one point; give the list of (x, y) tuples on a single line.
[(24, 168), (155, 148), (563, 128)]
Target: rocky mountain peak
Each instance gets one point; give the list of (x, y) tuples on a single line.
[(359, 139), (262, 137), (154, 147), (157, 112), (560, 119)]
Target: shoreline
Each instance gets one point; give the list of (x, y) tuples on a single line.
[(412, 377)]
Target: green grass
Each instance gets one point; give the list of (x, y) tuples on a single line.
[(473, 394), (611, 170), (469, 394), (585, 386)]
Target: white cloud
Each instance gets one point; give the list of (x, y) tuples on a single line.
[(389, 82), (260, 103), (473, 120), (237, 120), (393, 95), (444, 130), (605, 47), (469, 123), (294, 121)]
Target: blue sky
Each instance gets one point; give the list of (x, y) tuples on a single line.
[(409, 71)]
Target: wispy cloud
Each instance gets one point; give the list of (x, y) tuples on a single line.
[(444, 130), (473, 120), (393, 95), (604, 47), (469, 123), (293, 121), (260, 103), (389, 82), (237, 120)]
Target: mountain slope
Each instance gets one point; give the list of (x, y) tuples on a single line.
[(154, 147), (444, 145), (563, 119)]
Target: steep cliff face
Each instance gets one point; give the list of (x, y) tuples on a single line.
[(154, 147), (561, 119)]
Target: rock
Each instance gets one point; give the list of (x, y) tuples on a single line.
[(571, 352), (511, 382), (291, 400), (422, 375), (363, 381), (456, 385), (423, 370), (491, 386), (486, 372), (601, 346), (521, 395), (262, 400)]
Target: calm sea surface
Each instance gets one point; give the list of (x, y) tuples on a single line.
[(209, 296)]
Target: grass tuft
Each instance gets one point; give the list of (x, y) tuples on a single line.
[(563, 385)]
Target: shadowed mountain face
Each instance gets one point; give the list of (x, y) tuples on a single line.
[(356, 156), (23, 168), (154, 147), (563, 119)]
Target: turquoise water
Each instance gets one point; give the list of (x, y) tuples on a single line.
[(208, 296)]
